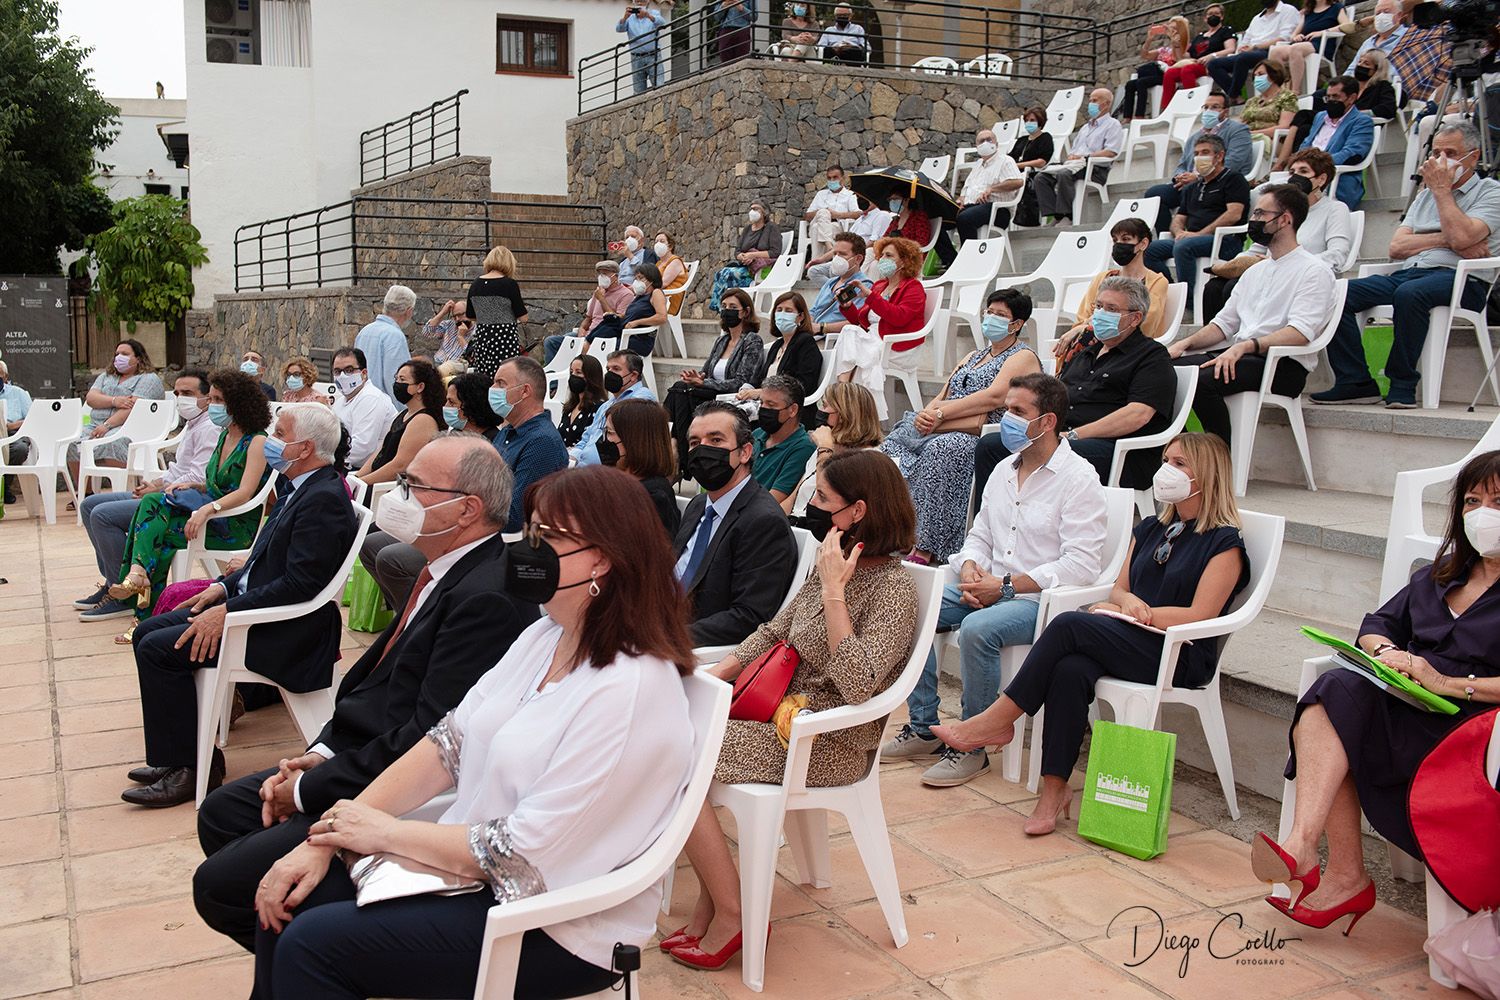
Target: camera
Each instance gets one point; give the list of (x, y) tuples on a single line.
[(1471, 20), (846, 294)]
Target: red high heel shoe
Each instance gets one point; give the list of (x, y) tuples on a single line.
[(677, 939), (1354, 907), (1271, 865), (694, 957)]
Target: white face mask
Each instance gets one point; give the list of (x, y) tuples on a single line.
[(1482, 525), (403, 519), (1171, 484), (1455, 167), (632, 244), (662, 249), (986, 149), (187, 407), (638, 286), (753, 215), (838, 266), (1384, 23), (349, 382), (605, 281)]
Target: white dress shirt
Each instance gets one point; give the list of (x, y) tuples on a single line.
[(574, 781), (193, 450), (841, 200), (721, 508), (366, 415), (986, 174), (871, 226), (1296, 290), (439, 568), (1102, 135), (1282, 21), (1051, 529), (1327, 233)]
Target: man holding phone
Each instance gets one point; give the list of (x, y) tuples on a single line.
[(642, 26), (843, 286)]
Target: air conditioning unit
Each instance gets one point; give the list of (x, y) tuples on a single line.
[(224, 47), (229, 14)]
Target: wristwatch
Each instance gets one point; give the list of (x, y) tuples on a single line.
[(216, 506), (1071, 435), (1007, 589)]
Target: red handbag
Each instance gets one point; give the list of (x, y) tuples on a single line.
[(1454, 812), (762, 684)]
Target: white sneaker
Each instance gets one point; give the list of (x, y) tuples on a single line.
[(954, 767), (907, 745)]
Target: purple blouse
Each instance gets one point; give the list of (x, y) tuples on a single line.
[(1418, 619)]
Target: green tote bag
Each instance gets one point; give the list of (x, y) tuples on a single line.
[(1127, 796)]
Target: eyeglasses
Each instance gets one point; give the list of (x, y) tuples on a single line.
[(404, 486), (346, 370), (535, 533), (1164, 550), (1263, 215)]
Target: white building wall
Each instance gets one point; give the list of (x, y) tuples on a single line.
[(138, 157), (270, 141)]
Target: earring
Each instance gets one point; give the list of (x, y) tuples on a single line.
[(594, 584)]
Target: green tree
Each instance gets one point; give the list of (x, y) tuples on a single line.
[(146, 261), (52, 121)]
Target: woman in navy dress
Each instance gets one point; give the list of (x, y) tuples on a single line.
[(1357, 747), (1185, 566)]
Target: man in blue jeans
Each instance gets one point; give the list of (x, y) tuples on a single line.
[(1218, 198), (1456, 216), (641, 25), (1042, 524)]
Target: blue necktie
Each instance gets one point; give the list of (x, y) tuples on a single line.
[(700, 544)]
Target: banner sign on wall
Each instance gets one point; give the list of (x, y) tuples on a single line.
[(36, 340)]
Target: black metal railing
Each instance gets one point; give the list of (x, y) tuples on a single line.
[(1127, 33), (1035, 47), (418, 241), (420, 139)]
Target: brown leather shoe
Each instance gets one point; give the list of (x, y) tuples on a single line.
[(147, 775), (176, 786)]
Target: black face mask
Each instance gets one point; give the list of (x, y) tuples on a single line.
[(1123, 253), (531, 572), (613, 382), (709, 466), (402, 392), (1256, 230), (729, 318), (576, 384), (609, 451), (769, 420), (1214, 20), (842, 22), (1300, 183), (1363, 73), (1335, 109), (819, 521)]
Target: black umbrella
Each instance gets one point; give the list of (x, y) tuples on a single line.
[(877, 186)]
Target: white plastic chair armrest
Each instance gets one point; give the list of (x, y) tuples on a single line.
[(1060, 599), (263, 616), (1208, 628), (1365, 270), (707, 656), (1465, 270), (557, 906), (833, 719)]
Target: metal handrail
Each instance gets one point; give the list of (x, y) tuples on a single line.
[(1122, 34), (1045, 48), (381, 148)]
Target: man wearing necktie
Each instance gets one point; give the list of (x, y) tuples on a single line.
[(735, 551), (455, 625), (295, 555)]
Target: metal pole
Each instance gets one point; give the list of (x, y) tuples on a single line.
[(354, 241)]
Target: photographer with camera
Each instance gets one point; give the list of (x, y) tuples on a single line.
[(642, 26)]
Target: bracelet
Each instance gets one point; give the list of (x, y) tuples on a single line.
[(836, 600), (1469, 689), (1382, 647)]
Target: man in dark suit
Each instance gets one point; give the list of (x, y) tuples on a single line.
[(459, 623), (296, 554), (735, 551)]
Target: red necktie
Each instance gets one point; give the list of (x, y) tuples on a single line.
[(423, 579)]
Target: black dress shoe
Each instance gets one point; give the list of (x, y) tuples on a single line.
[(148, 775), (176, 786)]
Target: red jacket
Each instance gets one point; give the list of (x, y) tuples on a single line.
[(903, 313)]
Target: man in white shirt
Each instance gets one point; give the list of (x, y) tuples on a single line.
[(843, 39), (994, 178), (831, 207), (1283, 301), (107, 516), (1042, 524), (1102, 138), (365, 412), (1277, 22)]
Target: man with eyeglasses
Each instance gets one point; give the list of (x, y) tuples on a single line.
[(1120, 384), (1282, 301), (366, 413), (452, 628)]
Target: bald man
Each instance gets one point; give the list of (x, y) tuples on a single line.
[(1099, 139)]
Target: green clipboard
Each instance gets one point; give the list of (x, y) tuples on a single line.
[(1382, 676)]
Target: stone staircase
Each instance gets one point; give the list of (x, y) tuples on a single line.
[(556, 243), (1335, 537)]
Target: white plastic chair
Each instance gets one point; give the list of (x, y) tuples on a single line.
[(50, 426), (1175, 124), (311, 710), (1120, 520), (1176, 308), (1442, 911), (1086, 183), (708, 707), (937, 66), (1440, 327), (148, 420), (143, 458), (1204, 263), (964, 160), (328, 389), (807, 555), (1139, 705), (1145, 209), (1407, 539), (762, 810), (556, 370), (1071, 255), (785, 273), (674, 322), (1357, 222), (1060, 126), (1182, 405), (1006, 134), (935, 168), (994, 65), (965, 283), (1069, 100), (825, 379), (1245, 407), (213, 560), (1372, 177), (903, 365)]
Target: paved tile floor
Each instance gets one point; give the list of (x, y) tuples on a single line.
[(96, 893)]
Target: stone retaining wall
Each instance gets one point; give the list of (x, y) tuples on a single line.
[(690, 157), (384, 245)]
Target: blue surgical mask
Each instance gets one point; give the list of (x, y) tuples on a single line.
[(1031, 128), (500, 402), (451, 418), (295, 383), (885, 267), (1013, 433), (218, 413), (1094, 109), (1106, 324), (1260, 83), (834, 186), (895, 206), (250, 368), (786, 322), (1209, 117), (995, 328), (274, 449)]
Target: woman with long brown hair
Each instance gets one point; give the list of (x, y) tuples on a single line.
[(637, 441), (568, 759)]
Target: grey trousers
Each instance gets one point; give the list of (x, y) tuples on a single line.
[(106, 520), (1054, 192), (394, 565)]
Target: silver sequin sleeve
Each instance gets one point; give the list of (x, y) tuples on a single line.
[(449, 742), (510, 875)]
